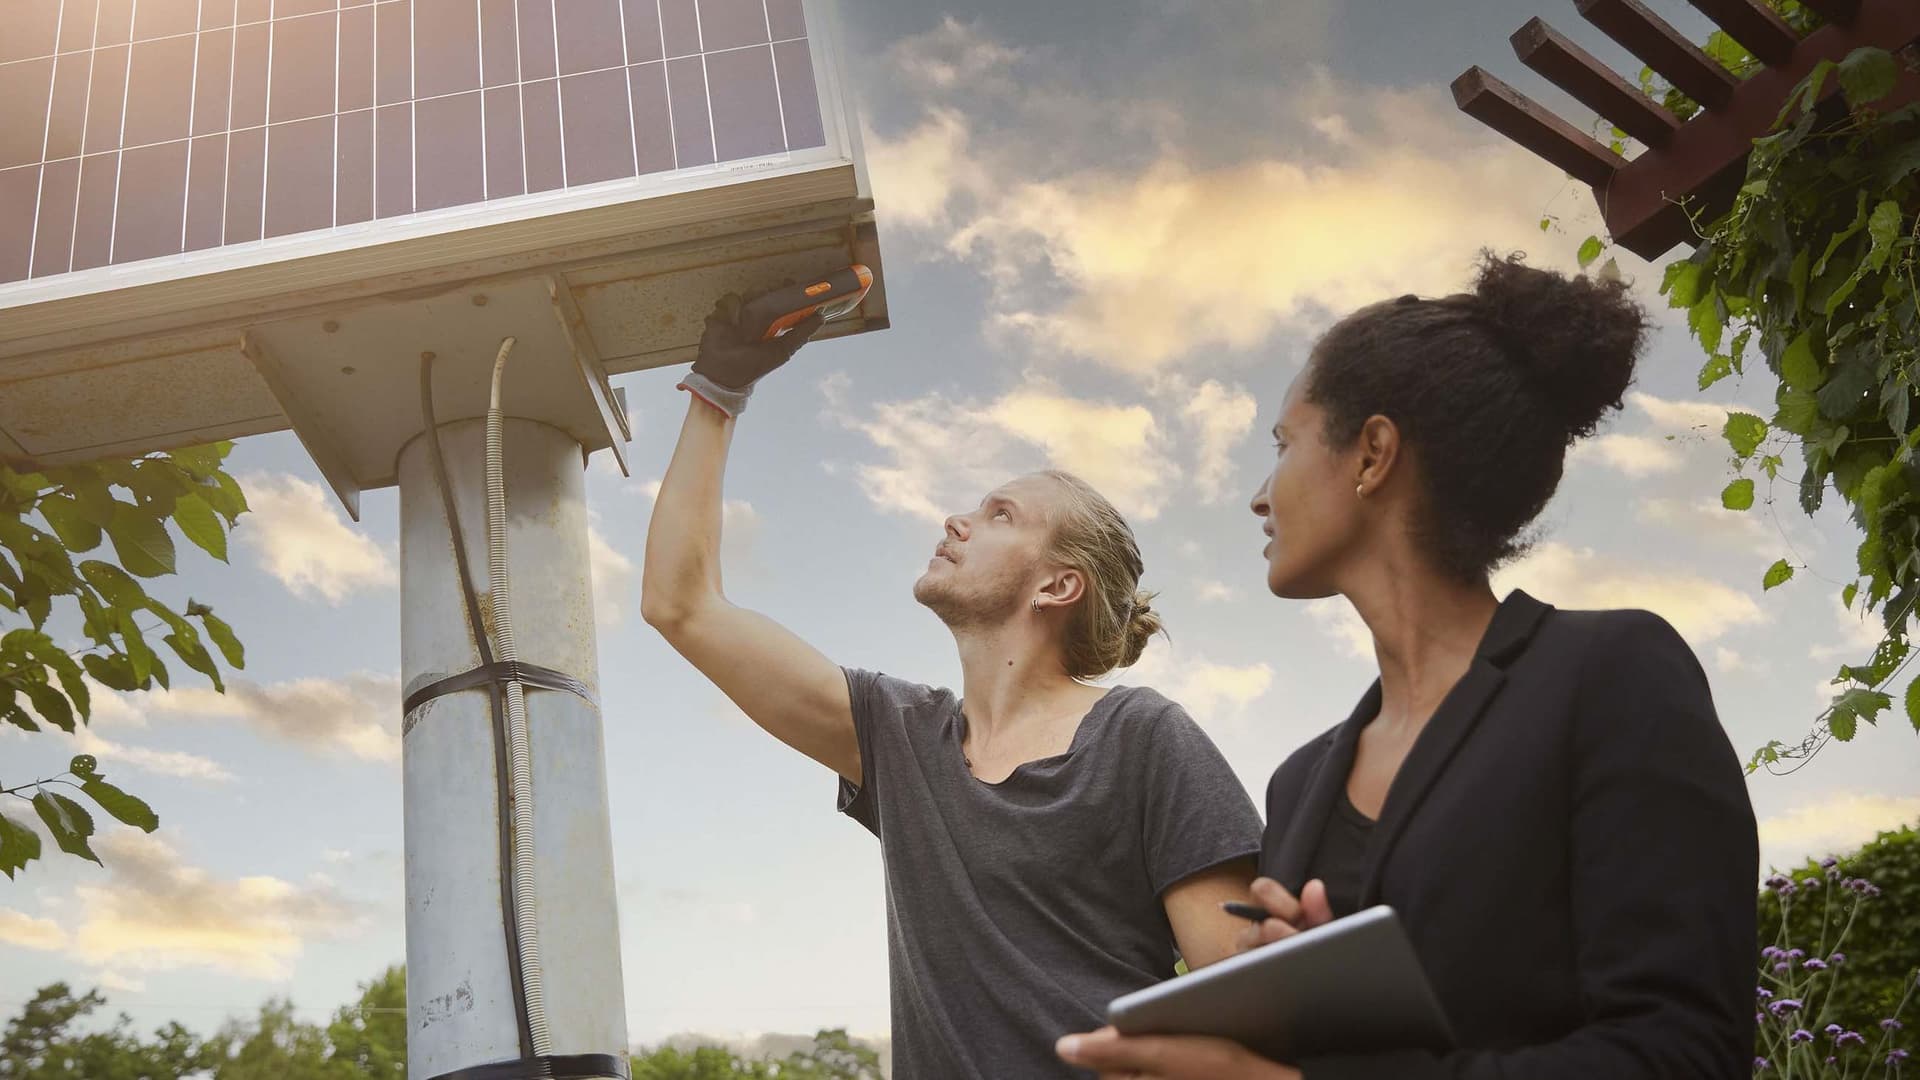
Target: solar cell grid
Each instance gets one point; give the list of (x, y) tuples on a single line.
[(144, 128)]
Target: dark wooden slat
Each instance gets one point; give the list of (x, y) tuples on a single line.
[(1707, 159), (1754, 25), (1834, 11), (1654, 40), (1592, 83), (1511, 113)]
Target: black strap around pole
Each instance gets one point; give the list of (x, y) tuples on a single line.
[(552, 1067), (499, 673)]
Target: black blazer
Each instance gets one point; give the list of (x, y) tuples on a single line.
[(1572, 850)]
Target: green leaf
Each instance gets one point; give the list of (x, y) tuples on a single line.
[(51, 704), (69, 823), (201, 525), (1847, 594), (1744, 432), (69, 522), (120, 590), (1681, 284), (1913, 704), (1715, 369), (1858, 703), (114, 673), (1883, 227), (201, 462), (1867, 75), (1590, 249), (19, 845), (124, 807), (1799, 367), (1778, 574), (1708, 320), (17, 716), (141, 542), (222, 635), (83, 765), (1738, 495)]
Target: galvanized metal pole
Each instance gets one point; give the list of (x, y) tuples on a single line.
[(460, 1006)]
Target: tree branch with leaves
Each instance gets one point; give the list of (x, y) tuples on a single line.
[(125, 512)]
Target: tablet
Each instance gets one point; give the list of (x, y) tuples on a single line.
[(1353, 985)]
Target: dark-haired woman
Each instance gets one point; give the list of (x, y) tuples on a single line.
[(1546, 797)]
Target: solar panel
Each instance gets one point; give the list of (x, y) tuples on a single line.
[(139, 129)]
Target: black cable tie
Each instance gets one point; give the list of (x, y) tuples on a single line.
[(551, 1067), (500, 673)]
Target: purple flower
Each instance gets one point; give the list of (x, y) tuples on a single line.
[(1784, 1006), (1776, 882), (1890, 1024), (1815, 964), (1762, 993), (1870, 891), (1761, 1063), (1831, 1060), (1833, 1029), (1759, 1018), (1829, 863), (1837, 959), (1853, 1037), (1782, 968), (1772, 952), (1800, 1035), (1810, 882), (1896, 1057), (1795, 954)]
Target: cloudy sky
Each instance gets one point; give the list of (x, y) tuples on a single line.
[(1112, 230)]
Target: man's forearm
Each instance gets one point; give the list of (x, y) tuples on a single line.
[(683, 541)]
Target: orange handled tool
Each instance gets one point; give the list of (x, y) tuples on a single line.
[(831, 296)]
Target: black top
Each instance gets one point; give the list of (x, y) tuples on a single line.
[(1571, 848), (1341, 859), (1016, 911)]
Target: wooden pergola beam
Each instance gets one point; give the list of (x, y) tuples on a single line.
[(1706, 158), (1754, 25), (1485, 98), (1835, 11), (1592, 83), (1664, 49)]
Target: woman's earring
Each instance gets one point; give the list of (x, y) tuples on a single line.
[(1360, 490), (1036, 605)]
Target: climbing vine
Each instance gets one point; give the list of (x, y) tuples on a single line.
[(1813, 269)]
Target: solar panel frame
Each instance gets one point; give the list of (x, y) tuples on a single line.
[(260, 225)]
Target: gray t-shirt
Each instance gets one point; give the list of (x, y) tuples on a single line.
[(1017, 910)]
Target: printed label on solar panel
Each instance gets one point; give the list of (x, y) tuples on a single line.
[(138, 129)]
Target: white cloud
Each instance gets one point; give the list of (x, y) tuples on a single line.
[(357, 715), (1211, 692), (1707, 519), (1833, 825), (613, 580), (1856, 634), (1635, 455), (1670, 417), (1215, 592), (952, 54), (113, 980), (916, 174), (157, 913), (1700, 608), (143, 759), (1729, 662), (1139, 267), (942, 455), (1218, 417), (19, 928), (301, 538)]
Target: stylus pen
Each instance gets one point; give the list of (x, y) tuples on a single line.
[(1253, 912)]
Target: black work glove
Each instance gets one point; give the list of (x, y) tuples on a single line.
[(730, 361)]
